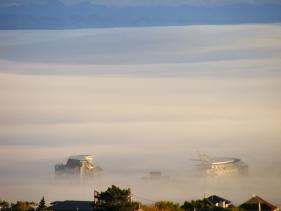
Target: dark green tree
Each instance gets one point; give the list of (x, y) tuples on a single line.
[(23, 206), (187, 206), (198, 205), (42, 206), (4, 204), (204, 205), (215, 208), (114, 199), (168, 205)]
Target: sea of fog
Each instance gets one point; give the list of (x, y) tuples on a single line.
[(141, 100)]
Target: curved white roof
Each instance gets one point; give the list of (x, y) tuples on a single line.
[(81, 157), (224, 160)]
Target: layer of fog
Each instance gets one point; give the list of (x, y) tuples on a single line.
[(133, 118), (152, 45)]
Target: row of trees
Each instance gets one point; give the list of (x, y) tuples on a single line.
[(116, 199), (23, 206)]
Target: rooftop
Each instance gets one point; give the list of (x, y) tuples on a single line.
[(224, 160), (81, 157), (253, 204), (217, 199), (70, 205)]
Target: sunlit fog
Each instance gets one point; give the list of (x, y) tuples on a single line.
[(141, 100)]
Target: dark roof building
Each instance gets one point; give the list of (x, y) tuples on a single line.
[(219, 201), (256, 203), (71, 206)]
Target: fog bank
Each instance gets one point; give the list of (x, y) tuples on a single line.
[(167, 93)]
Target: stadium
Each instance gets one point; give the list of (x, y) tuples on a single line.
[(217, 166)]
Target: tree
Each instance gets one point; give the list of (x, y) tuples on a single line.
[(23, 206), (114, 199), (4, 204), (42, 206), (203, 205), (198, 205), (168, 205), (187, 206)]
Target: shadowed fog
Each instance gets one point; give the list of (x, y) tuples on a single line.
[(140, 100)]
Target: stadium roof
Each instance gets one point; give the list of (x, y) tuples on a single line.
[(80, 157), (224, 160)]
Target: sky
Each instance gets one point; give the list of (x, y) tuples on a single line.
[(149, 2), (79, 14), (140, 99), (173, 2)]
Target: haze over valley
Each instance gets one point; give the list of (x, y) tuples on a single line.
[(141, 99)]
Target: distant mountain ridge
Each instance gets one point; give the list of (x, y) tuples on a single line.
[(56, 15)]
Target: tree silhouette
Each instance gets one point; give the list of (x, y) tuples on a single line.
[(42, 206), (23, 206), (114, 199), (4, 204), (168, 206)]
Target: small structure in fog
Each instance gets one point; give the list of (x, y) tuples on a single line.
[(81, 165), (219, 201), (256, 203), (155, 175)]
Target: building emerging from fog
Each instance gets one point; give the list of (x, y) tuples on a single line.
[(216, 166), (80, 165)]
